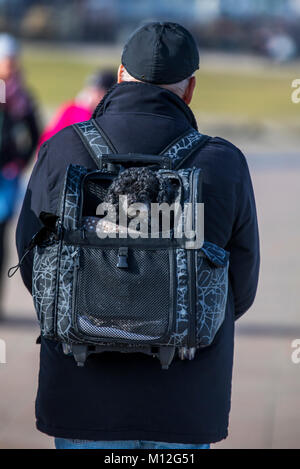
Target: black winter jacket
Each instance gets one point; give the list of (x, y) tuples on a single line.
[(127, 396)]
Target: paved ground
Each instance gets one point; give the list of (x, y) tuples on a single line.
[(266, 386)]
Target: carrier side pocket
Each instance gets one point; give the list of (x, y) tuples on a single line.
[(44, 277), (211, 288)]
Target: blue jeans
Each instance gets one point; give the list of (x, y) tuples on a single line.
[(60, 443)]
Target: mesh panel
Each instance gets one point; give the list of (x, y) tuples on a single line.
[(96, 190), (130, 304), (94, 193)]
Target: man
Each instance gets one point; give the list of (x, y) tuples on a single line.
[(125, 400)]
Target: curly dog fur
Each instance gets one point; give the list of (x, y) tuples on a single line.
[(140, 185)]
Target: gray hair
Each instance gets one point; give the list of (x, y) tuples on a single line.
[(178, 88)]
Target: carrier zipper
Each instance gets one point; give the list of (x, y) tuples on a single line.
[(191, 276), (75, 254), (192, 299)]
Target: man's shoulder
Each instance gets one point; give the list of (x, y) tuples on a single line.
[(223, 166), (222, 147), (65, 135), (64, 148), (60, 151), (221, 152)]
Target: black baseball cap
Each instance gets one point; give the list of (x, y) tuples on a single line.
[(161, 53)]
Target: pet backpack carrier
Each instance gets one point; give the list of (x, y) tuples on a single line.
[(159, 296)]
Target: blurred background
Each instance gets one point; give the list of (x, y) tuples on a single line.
[(250, 55)]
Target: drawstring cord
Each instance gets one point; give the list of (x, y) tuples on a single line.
[(14, 269), (51, 227)]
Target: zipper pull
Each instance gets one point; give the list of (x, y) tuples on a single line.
[(123, 258)]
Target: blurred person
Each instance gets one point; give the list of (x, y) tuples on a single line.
[(82, 106), (280, 46), (19, 134), (126, 400)]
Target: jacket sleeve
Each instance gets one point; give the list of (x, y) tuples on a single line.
[(36, 199), (244, 247)]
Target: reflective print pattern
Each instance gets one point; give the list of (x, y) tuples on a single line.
[(43, 286), (65, 293), (212, 286), (184, 146), (70, 205), (178, 337), (93, 138)]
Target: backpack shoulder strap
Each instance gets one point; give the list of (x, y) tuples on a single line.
[(183, 147), (94, 140), (97, 143)]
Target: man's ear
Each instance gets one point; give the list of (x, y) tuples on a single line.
[(120, 73), (187, 97)]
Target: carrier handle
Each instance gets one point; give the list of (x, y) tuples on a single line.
[(160, 160), (102, 151)]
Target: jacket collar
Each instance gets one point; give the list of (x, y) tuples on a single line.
[(136, 97)]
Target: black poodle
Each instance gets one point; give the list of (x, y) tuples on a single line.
[(140, 185)]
